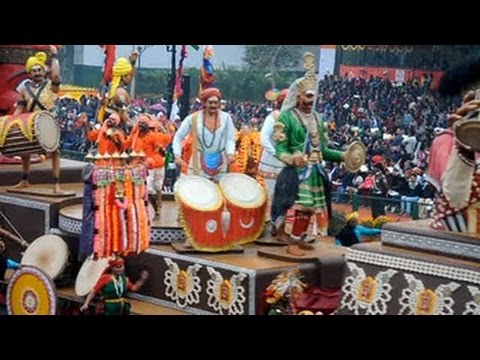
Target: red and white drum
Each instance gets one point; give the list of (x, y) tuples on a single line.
[(219, 217), (29, 133), (246, 201), (200, 205)]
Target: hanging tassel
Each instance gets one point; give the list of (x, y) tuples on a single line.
[(226, 220)]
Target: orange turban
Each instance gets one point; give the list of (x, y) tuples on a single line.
[(209, 93)]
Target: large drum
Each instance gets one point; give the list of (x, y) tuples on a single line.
[(89, 274), (31, 292), (49, 253), (200, 205), (29, 133), (219, 217), (246, 201)]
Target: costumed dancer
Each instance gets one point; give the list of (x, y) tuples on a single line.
[(40, 94), (113, 286), (302, 145), (454, 161), (144, 138)]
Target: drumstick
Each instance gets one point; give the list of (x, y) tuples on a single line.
[(13, 237), (22, 240)]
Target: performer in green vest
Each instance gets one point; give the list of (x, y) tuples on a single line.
[(302, 141), (113, 286)]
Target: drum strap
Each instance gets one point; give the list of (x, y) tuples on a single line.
[(36, 97), (195, 144)]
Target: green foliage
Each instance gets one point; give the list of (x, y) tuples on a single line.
[(271, 57)]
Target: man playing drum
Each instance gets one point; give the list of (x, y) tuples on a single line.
[(213, 138), (40, 94)]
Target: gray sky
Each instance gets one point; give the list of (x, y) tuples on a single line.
[(157, 56)]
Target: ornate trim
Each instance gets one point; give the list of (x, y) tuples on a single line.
[(226, 295), (443, 246), (31, 204), (411, 265), (158, 236), (249, 272), (417, 300), (182, 286), (473, 306), (362, 292)]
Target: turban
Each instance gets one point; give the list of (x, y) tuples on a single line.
[(39, 59), (209, 93), (351, 216), (122, 67), (116, 262), (283, 95)]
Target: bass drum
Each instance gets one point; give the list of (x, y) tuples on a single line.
[(28, 134), (48, 253), (89, 274)]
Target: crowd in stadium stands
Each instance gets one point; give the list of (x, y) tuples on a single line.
[(397, 122)]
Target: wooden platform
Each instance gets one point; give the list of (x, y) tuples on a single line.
[(41, 173), (418, 235), (227, 284)]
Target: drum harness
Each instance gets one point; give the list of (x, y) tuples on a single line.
[(36, 97)]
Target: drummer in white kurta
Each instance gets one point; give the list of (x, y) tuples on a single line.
[(213, 138)]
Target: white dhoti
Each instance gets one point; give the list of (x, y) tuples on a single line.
[(155, 180)]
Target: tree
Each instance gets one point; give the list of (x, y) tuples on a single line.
[(272, 58)]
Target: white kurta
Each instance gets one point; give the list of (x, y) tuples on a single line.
[(269, 166), (220, 141)]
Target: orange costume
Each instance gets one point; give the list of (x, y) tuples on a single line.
[(110, 140)]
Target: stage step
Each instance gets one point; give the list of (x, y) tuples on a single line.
[(139, 307)]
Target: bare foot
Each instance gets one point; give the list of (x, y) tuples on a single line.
[(156, 217), (22, 185), (58, 190), (187, 245)]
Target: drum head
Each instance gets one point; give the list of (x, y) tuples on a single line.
[(48, 253), (467, 133), (31, 292), (47, 131), (242, 190), (198, 193), (89, 274), (355, 156)]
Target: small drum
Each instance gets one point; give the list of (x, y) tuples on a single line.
[(30, 291), (89, 274), (246, 201), (467, 132), (29, 133), (49, 253), (355, 156)]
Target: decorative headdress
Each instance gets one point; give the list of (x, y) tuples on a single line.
[(309, 81), (304, 84)]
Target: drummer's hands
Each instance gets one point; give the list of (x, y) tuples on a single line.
[(300, 161), (133, 57), (84, 308)]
